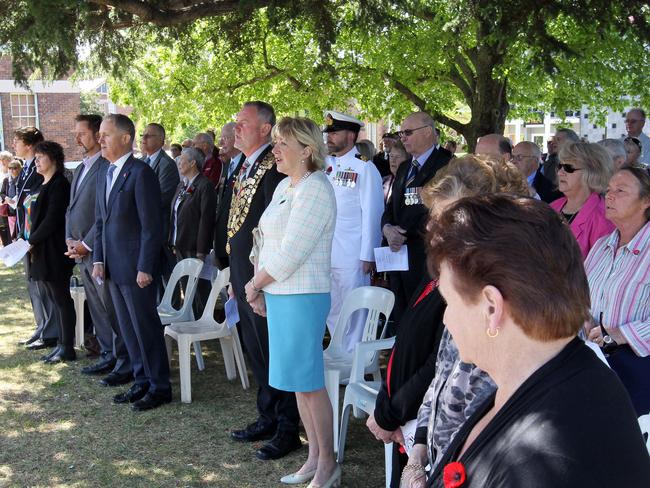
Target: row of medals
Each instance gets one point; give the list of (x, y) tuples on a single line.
[(346, 178), (412, 196)]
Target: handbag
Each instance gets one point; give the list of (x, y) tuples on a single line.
[(258, 243)]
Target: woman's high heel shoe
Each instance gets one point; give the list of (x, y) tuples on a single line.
[(333, 482), (297, 479)]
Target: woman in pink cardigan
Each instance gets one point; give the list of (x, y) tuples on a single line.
[(583, 174)]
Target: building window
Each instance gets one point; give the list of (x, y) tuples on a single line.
[(595, 126), (614, 125), (586, 116), (23, 109), (103, 88)]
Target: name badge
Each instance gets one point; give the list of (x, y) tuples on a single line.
[(412, 196)]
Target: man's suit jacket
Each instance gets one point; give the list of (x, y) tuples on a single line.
[(194, 217), (168, 178), (80, 216), (224, 198), (413, 218), (241, 243), (47, 236), (27, 183), (128, 234), (545, 188)]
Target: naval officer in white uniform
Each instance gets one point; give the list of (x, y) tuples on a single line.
[(360, 204)]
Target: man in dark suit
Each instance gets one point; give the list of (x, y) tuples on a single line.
[(404, 220), (526, 156), (80, 239), (47, 327), (233, 160), (253, 191), (126, 255), (191, 224), (152, 141)]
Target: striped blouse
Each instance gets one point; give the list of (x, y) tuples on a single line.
[(619, 285)]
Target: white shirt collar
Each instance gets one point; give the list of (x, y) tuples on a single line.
[(253, 157), (422, 158), (120, 162), (90, 160), (154, 156)]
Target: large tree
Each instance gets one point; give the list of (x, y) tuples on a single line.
[(190, 63)]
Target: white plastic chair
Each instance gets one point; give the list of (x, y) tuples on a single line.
[(205, 329), (187, 267), (338, 361), (361, 396), (644, 423)]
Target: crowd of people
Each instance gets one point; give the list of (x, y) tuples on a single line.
[(522, 324)]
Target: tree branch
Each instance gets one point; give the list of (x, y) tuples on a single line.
[(175, 12), (462, 85)]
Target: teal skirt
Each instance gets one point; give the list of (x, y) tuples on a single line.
[(296, 329)]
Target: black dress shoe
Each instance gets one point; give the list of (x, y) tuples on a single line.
[(41, 344), (133, 394), (116, 379), (99, 367), (152, 400), (63, 354), (282, 444), (50, 354), (27, 342), (254, 432)]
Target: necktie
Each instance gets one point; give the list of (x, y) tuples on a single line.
[(244, 170), (148, 160), (413, 171), (109, 181)]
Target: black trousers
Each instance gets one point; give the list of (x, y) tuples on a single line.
[(275, 407), (59, 292)]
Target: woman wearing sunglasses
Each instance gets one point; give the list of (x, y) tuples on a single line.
[(583, 174), (618, 270)]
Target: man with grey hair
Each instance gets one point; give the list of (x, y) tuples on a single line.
[(192, 217), (616, 149), (405, 216), (212, 166), (526, 156), (232, 159), (634, 123)]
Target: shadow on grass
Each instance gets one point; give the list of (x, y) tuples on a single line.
[(60, 428)]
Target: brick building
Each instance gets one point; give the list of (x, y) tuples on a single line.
[(50, 106)]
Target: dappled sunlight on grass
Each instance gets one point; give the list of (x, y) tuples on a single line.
[(59, 428)]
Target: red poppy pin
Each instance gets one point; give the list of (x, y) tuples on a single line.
[(190, 190), (636, 252), (328, 170), (453, 475)]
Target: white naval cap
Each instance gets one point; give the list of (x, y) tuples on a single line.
[(337, 121)]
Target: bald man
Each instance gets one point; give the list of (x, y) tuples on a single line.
[(494, 146)]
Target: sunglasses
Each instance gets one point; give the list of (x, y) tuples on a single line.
[(567, 168), (408, 132)]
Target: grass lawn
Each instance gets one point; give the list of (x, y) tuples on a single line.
[(59, 427)]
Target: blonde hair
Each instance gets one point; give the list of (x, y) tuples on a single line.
[(307, 134), (508, 178), (462, 177), (597, 163)]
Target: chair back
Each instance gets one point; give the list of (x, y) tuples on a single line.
[(189, 267), (378, 301), (218, 284), (644, 423)]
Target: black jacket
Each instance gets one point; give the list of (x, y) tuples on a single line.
[(224, 198), (47, 236), (195, 217), (545, 189), (413, 363), (569, 425)]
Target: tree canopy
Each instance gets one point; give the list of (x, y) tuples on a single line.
[(190, 64)]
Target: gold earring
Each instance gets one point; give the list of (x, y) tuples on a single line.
[(491, 335)]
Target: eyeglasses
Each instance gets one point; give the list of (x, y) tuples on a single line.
[(408, 132), (14, 168), (147, 136), (567, 168)]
